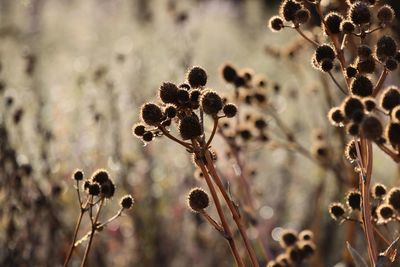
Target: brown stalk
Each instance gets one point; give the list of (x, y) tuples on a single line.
[(380, 82), (225, 226)]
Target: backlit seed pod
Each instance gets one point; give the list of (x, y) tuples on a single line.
[(385, 14), (336, 210), (275, 24), (301, 16), (364, 51), (366, 65), (353, 129), (393, 198), (288, 238), (347, 27), (361, 86), (228, 72), (390, 98), (167, 92), (126, 202), (170, 111), (151, 114), (78, 175), (369, 103), (230, 110), (94, 189), (332, 22), (371, 128), (391, 64), (386, 47), (350, 105), (189, 127), (197, 77), (100, 176), (393, 134), (306, 235), (353, 200), (379, 191), (294, 254), (198, 199), (148, 136), (211, 102), (351, 72), (385, 212), (326, 65), (306, 248), (359, 13), (288, 9), (350, 151), (324, 51), (138, 129)]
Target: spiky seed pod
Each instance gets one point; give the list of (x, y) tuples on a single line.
[(385, 212), (393, 198), (78, 175), (385, 14), (195, 98), (361, 86), (369, 103), (379, 191), (108, 189), (350, 151), (307, 249), (151, 114), (326, 65), (335, 116), (148, 136), (353, 200), (230, 110), (189, 127), (390, 98), (391, 64), (228, 72), (324, 51), (302, 16), (358, 116), (336, 210), (364, 51), (351, 72), (138, 129), (366, 65), (170, 111), (294, 254), (395, 114), (306, 235), (333, 21), (372, 128), (393, 134), (347, 26), (197, 77), (353, 129), (386, 47), (275, 24), (100, 176), (359, 13), (288, 238), (198, 199), (288, 9), (94, 189), (126, 202), (167, 92), (211, 102), (350, 105)]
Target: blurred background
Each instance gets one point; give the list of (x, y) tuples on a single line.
[(73, 77)]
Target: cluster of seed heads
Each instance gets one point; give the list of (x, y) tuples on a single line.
[(297, 248)]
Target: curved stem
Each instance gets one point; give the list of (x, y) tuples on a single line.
[(380, 82), (214, 130), (170, 136), (71, 249)]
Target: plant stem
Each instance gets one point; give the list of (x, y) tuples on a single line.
[(94, 227)]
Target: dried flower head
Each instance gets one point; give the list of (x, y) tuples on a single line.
[(353, 200), (336, 210), (379, 191), (198, 199), (288, 238), (126, 202), (197, 77), (78, 175)]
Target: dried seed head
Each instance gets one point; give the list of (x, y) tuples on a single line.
[(167, 92), (288, 9), (353, 129), (198, 199), (324, 51), (294, 254), (386, 47), (275, 24), (359, 13), (372, 128), (379, 191), (228, 72), (100, 176), (170, 111), (184, 86), (151, 114), (182, 96), (288, 238), (148, 136), (94, 189), (78, 175), (361, 86), (353, 200), (347, 27), (326, 65), (393, 134), (390, 98), (197, 77), (364, 51), (385, 14), (138, 129), (126, 202), (352, 104), (189, 127), (211, 102), (391, 64), (369, 103), (385, 211), (366, 65), (333, 21), (336, 210), (307, 249), (107, 189), (301, 16), (306, 235), (351, 72), (350, 151), (394, 198), (230, 110)]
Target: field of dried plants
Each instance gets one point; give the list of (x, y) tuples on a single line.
[(199, 133)]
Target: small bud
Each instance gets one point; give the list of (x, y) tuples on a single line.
[(78, 175), (353, 200), (127, 202), (138, 130), (275, 24), (230, 110), (198, 199), (336, 210)]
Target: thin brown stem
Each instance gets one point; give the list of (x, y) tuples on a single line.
[(380, 82), (212, 222), (214, 130), (305, 36), (170, 136), (336, 83)]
